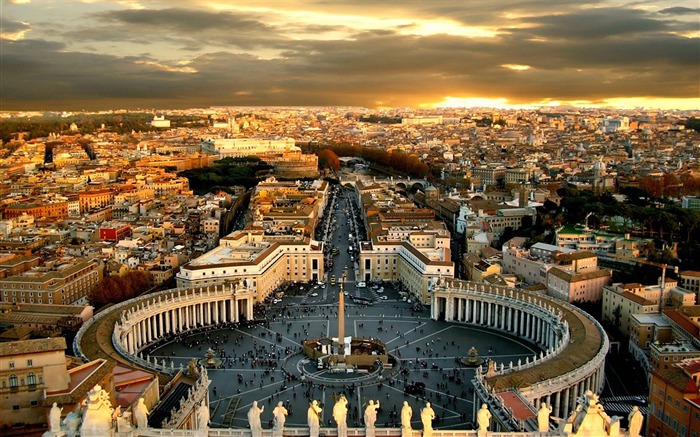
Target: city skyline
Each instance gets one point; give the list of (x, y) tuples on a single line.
[(101, 54)]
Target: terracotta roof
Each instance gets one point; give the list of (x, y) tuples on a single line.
[(674, 376), (632, 285), (636, 299), (576, 277), (82, 379), (691, 273), (33, 346), (691, 310), (683, 322), (521, 411)]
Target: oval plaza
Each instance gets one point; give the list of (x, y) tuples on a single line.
[(570, 361)]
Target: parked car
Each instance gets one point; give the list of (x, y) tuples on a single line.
[(361, 284)]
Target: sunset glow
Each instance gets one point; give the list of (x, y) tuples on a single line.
[(441, 53)]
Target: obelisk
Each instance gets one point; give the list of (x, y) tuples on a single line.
[(341, 323)]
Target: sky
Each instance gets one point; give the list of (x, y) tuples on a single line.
[(126, 54)]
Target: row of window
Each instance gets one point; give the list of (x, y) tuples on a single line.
[(30, 363), (14, 381)]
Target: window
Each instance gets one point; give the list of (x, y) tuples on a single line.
[(12, 364), (14, 381), (29, 363), (31, 379)]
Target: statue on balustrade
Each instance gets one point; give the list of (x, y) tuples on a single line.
[(427, 415), (313, 417), (543, 417), (141, 414), (55, 418), (483, 418), (371, 414), (340, 415), (280, 416), (635, 419), (406, 415), (254, 419), (203, 416)]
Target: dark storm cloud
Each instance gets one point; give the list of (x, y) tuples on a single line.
[(679, 10), (186, 20), (191, 30), (594, 24), (574, 55), (8, 26)]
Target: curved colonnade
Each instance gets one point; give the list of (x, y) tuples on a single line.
[(573, 345), (138, 323), (571, 362)]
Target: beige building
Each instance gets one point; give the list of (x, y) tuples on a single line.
[(621, 301), (91, 199), (262, 261), (690, 280), (63, 282), (27, 369), (417, 256), (571, 286), (288, 207)]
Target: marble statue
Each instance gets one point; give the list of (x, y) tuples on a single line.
[(426, 417), (313, 417), (635, 419), (483, 418), (254, 419), (406, 415), (340, 415), (371, 413), (280, 416), (124, 422), (141, 414), (55, 418), (203, 416), (97, 417), (72, 422), (543, 417)]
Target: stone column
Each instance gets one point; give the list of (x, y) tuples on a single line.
[(526, 325), (521, 323), (565, 406), (130, 341)]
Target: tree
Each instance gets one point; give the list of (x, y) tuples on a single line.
[(328, 159), (113, 289)]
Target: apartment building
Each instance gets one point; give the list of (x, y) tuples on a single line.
[(404, 243), (61, 281), (674, 400), (91, 199), (27, 369), (690, 280), (261, 261), (621, 301), (572, 286)]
